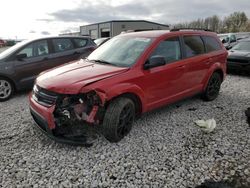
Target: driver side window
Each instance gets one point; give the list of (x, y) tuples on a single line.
[(35, 49), (169, 49)]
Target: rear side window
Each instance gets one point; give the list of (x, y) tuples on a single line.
[(80, 42), (193, 46), (63, 44), (211, 44), (170, 49)]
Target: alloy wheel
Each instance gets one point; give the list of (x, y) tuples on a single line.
[(5, 89)]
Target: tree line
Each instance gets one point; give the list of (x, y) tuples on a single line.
[(235, 22)]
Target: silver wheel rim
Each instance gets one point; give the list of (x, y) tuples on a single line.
[(5, 89)]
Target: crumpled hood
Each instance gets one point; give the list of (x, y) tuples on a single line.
[(70, 78)]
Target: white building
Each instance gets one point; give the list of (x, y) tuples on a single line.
[(115, 27)]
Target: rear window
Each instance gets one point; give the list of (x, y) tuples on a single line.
[(80, 42), (211, 44), (193, 46)]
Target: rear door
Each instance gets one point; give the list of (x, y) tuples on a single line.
[(37, 59), (198, 62), (63, 51), (83, 46)]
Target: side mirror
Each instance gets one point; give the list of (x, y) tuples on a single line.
[(223, 41), (154, 61), (21, 56)]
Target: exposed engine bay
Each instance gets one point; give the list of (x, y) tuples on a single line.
[(76, 115)]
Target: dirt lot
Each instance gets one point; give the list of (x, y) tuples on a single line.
[(164, 149)]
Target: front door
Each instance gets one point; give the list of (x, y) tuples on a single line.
[(164, 83), (36, 61)]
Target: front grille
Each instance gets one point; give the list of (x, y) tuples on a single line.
[(44, 97)]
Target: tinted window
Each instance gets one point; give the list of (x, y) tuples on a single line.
[(170, 49), (35, 49), (80, 42), (211, 44), (233, 38), (61, 45), (193, 45)]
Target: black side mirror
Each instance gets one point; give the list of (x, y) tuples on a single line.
[(21, 56), (154, 61), (223, 41)]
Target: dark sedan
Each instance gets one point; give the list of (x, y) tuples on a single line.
[(20, 64), (239, 56)]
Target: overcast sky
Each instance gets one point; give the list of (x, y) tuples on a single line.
[(31, 18)]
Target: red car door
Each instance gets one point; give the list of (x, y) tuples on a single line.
[(198, 62), (164, 84)]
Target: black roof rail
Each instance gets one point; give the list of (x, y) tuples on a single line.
[(195, 29)]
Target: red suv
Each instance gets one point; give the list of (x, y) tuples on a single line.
[(128, 75)]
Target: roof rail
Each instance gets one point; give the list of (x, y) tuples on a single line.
[(195, 29)]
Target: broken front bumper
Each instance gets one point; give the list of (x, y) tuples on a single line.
[(44, 121)]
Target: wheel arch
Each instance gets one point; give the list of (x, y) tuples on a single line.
[(216, 68), (134, 97), (9, 79)]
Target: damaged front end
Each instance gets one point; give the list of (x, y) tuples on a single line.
[(76, 116), (68, 118)]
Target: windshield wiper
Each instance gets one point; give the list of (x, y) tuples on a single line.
[(101, 61)]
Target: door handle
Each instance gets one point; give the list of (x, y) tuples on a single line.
[(209, 61), (182, 67)]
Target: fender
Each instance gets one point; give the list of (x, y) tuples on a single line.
[(212, 69), (123, 88)]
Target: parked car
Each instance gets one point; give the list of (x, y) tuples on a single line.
[(228, 40), (101, 41), (2, 43), (130, 74), (20, 64), (239, 56)]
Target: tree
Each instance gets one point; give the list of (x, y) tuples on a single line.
[(236, 21)]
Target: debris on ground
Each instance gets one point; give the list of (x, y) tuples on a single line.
[(206, 126)]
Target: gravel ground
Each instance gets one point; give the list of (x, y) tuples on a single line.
[(164, 149)]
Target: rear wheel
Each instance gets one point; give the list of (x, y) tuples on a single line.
[(6, 89), (118, 119), (213, 87)]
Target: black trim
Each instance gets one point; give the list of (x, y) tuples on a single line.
[(192, 29), (37, 118)]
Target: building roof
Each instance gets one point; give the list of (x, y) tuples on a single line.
[(127, 21)]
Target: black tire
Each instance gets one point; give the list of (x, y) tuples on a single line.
[(6, 89), (118, 119), (213, 87)]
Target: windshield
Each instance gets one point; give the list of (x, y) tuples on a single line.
[(120, 51), (242, 46), (12, 49)]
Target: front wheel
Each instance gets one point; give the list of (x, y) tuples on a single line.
[(213, 87), (6, 89), (118, 119)]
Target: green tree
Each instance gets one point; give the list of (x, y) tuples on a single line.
[(236, 21)]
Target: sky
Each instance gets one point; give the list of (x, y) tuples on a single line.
[(23, 19)]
